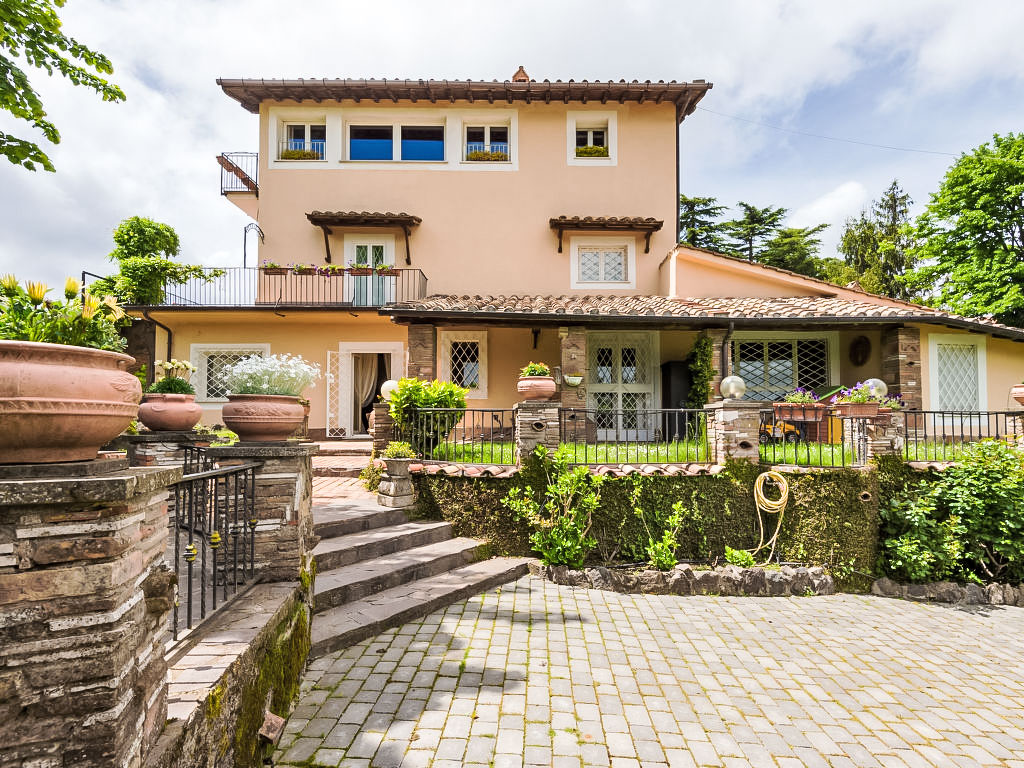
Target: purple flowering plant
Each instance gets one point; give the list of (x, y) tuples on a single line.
[(801, 395)]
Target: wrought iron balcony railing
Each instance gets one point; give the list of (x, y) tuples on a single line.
[(257, 287), (238, 172)]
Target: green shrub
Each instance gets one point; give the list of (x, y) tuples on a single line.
[(562, 516), (371, 475), (700, 361), (425, 430), (535, 369), (591, 151), (483, 155), (967, 524), (300, 154), (171, 385), (398, 450), (740, 557)]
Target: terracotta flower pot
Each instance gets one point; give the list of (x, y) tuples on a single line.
[(857, 410), (169, 412), (1017, 393), (262, 418), (799, 411), (536, 387), (274, 270), (61, 403)]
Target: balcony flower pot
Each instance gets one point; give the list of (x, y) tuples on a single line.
[(387, 273), (169, 412), (1017, 393), (262, 418), (536, 387), (857, 410), (274, 270), (62, 403), (799, 411), (303, 271), (360, 271)]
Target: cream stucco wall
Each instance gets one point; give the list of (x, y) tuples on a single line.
[(1004, 367), (483, 230)]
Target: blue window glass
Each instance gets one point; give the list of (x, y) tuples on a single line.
[(423, 142), (370, 142)]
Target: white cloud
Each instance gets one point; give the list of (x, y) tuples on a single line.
[(832, 208)]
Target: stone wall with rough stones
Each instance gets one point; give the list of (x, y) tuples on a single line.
[(160, 449), (85, 596), (687, 580), (536, 423), (734, 428), (951, 592)]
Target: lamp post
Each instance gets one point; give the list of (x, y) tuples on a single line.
[(732, 387)]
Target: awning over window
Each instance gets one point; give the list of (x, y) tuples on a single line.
[(327, 220), (607, 224)]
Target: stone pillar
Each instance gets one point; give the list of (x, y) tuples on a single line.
[(284, 494), (719, 371), (383, 427), (396, 489), (422, 351), (574, 363), (85, 600), (160, 449), (733, 430), (536, 423), (901, 363), (886, 434)]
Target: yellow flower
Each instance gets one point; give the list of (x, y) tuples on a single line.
[(71, 288), (115, 308), (89, 306), (36, 292)]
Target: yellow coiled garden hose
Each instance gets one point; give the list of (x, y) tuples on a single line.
[(766, 506)]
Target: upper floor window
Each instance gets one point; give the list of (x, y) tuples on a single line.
[(592, 142), (591, 137), (423, 142), (599, 262), (377, 142), (304, 141), (370, 142), (487, 143)]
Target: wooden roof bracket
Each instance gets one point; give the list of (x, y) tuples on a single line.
[(327, 242), (647, 241), (560, 231), (408, 253)]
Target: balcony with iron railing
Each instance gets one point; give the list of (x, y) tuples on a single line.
[(245, 287), (238, 172), (479, 151), (300, 149)]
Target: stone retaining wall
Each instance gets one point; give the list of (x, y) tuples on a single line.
[(951, 592), (687, 580)]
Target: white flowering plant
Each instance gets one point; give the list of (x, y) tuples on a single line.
[(271, 375)]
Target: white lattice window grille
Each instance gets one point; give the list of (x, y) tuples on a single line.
[(957, 369), (621, 383), (773, 367), (603, 262), (211, 364), (463, 360)]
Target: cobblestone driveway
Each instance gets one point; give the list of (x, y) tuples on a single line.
[(540, 675)]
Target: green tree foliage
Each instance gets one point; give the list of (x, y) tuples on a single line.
[(30, 32), (699, 223), (878, 246), (795, 249), (143, 251), (971, 236), (749, 233), (701, 363)]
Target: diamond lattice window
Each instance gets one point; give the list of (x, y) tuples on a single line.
[(214, 368), (773, 368), (602, 265), (958, 377), (465, 364)]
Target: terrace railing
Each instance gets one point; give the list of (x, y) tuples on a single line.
[(239, 172), (252, 286), (461, 435), (943, 435), (211, 527), (650, 436), (810, 436)]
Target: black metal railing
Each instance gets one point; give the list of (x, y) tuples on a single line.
[(812, 435), (195, 460), (211, 525), (239, 172), (943, 435), (460, 435), (253, 286), (648, 436)]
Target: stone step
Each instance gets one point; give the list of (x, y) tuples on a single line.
[(340, 449), (361, 580), (344, 518), (337, 471), (377, 542), (340, 627)]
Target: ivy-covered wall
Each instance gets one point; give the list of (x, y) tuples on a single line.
[(831, 519)]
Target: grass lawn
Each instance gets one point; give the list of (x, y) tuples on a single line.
[(807, 454), (581, 453)]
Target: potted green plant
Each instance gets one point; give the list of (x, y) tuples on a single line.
[(263, 396), (856, 401), (359, 268), (65, 390), (535, 382), (425, 412), (300, 154), (397, 458), (799, 405), (891, 403), (273, 268), (591, 151), (485, 156), (169, 404)]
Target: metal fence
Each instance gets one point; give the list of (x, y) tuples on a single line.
[(211, 527), (812, 436), (460, 435), (238, 172), (943, 435), (650, 436)]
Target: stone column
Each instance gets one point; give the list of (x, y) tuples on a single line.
[(574, 363), (284, 494), (733, 430), (901, 363), (383, 427), (85, 599), (422, 351), (536, 423), (719, 371), (886, 434), (160, 449), (396, 489)]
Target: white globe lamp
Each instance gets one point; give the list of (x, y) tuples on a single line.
[(388, 388), (877, 387), (732, 387)]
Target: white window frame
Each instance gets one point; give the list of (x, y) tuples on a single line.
[(198, 354), (487, 125), (979, 342), (445, 339), (352, 239), (376, 120), (280, 134), (830, 337), (588, 120), (578, 243)]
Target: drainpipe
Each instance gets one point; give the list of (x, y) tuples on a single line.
[(170, 334), (725, 350)]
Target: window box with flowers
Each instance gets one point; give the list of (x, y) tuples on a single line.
[(800, 405), (857, 401), (273, 268)]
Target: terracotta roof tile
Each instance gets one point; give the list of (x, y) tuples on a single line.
[(607, 222)]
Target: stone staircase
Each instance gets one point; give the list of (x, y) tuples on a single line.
[(376, 570), (342, 459)]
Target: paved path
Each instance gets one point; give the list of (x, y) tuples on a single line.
[(536, 674)]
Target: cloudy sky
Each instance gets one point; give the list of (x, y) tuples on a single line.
[(933, 75)]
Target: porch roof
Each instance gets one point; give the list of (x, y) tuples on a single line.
[(696, 312)]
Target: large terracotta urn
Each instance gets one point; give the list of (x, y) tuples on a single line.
[(1017, 393), (262, 418), (536, 387), (62, 403), (169, 412)]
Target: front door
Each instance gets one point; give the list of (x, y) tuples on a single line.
[(621, 385), (372, 289)]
